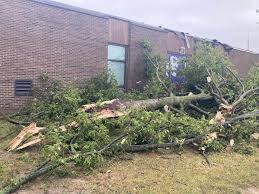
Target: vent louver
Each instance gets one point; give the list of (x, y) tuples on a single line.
[(23, 87)]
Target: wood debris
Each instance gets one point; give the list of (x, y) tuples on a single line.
[(225, 109), (218, 119), (105, 110), (21, 139), (107, 113), (34, 142), (255, 136), (212, 136)]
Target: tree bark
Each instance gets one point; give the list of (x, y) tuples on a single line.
[(147, 147), (243, 117), (33, 175), (151, 104)]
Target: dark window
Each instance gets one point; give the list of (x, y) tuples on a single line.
[(176, 66), (117, 62), (23, 88)]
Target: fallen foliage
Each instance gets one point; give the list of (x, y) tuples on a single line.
[(87, 135)]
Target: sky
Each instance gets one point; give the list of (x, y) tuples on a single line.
[(229, 21)]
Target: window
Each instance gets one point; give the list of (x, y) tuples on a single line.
[(23, 87), (117, 62)]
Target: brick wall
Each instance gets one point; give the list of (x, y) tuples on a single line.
[(158, 40), (37, 38), (243, 60)]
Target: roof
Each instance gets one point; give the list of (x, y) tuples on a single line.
[(107, 16), (94, 13)]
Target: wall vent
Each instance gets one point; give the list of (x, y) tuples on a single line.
[(23, 88)]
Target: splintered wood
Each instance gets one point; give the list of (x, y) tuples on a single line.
[(23, 139), (105, 110)]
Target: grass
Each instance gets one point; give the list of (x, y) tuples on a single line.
[(143, 173), (12, 164), (171, 173)]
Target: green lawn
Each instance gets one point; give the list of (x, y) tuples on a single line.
[(12, 164), (143, 173)]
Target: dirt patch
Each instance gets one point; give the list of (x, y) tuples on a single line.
[(250, 190)]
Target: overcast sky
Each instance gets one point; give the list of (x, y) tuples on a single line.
[(229, 21)]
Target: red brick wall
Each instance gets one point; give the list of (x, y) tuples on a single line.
[(37, 38), (72, 46), (158, 39), (243, 60)]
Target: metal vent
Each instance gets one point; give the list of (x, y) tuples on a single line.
[(23, 87)]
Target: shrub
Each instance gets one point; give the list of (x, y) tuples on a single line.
[(54, 101), (100, 88)]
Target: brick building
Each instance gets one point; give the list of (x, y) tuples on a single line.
[(73, 44)]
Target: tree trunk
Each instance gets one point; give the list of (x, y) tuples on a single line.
[(151, 104), (116, 108)]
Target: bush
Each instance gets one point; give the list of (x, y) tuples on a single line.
[(100, 88), (54, 101)]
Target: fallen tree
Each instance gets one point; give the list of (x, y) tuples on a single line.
[(85, 136)]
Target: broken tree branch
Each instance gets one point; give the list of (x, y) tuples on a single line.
[(146, 147), (45, 167), (213, 86), (243, 117), (237, 78), (199, 109), (5, 117), (31, 176), (157, 66), (178, 111), (206, 158), (244, 95)]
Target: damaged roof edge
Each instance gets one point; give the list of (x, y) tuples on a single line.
[(107, 16)]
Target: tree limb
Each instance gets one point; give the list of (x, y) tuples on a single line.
[(170, 101), (243, 117), (217, 95), (237, 78), (146, 147), (157, 66), (45, 167), (5, 117), (199, 109), (243, 96)]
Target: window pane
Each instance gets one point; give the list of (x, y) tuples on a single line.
[(116, 53), (117, 70)]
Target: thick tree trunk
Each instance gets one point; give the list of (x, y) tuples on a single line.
[(116, 108), (170, 101)]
